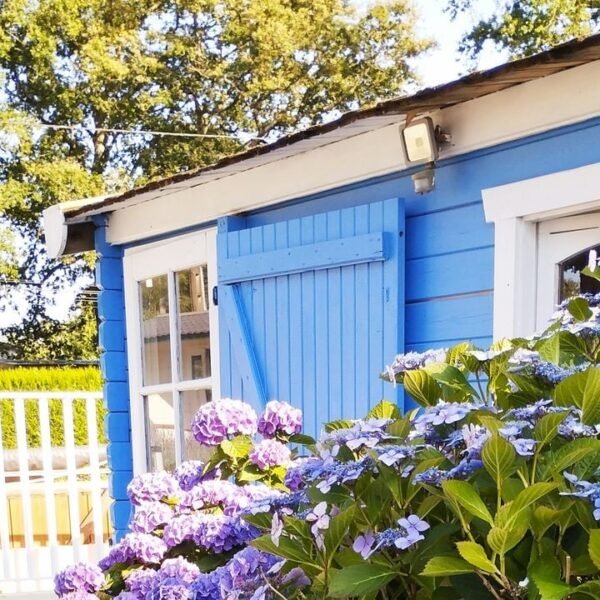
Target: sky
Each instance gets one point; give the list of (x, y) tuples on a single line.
[(439, 65)]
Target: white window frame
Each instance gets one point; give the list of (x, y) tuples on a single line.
[(516, 209), (144, 262)]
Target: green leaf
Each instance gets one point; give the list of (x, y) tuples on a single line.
[(546, 428), (581, 390), (502, 539), (594, 547), (464, 494), (549, 349), (545, 574), (475, 554), (443, 566), (569, 454), (359, 580), (400, 428), (526, 498), (338, 528), (591, 589), (238, 447), (384, 410), (451, 377), (498, 458), (338, 424), (288, 549), (580, 309), (542, 519), (595, 274), (422, 387), (303, 440)]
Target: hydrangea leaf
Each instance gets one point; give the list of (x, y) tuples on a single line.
[(546, 576), (338, 424), (444, 566), (580, 309), (302, 439), (581, 390), (530, 495), (400, 428), (546, 428), (498, 458), (238, 447), (590, 589), (359, 580), (595, 274), (384, 410), (464, 494), (542, 519), (338, 528), (291, 550), (503, 539), (451, 377), (475, 554), (594, 546), (422, 387), (569, 454)]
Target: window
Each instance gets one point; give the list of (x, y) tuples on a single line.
[(172, 346), (563, 249)]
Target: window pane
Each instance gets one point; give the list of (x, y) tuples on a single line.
[(190, 403), (154, 299), (194, 328), (160, 431), (571, 280)]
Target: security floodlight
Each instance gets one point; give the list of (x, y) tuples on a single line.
[(419, 141)]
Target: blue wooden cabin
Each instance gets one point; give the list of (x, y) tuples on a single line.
[(297, 270)]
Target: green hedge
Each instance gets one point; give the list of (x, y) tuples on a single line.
[(49, 379)]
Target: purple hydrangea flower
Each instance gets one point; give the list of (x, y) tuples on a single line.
[(208, 494), (125, 596), (140, 582), (182, 528), (79, 577), (363, 544), (148, 517), (220, 533), (81, 595), (412, 361), (280, 418), (336, 473), (406, 535), (152, 487), (585, 489), (391, 455), (246, 571), (270, 453), (178, 568), (573, 428), (143, 548), (361, 433), (444, 413), (221, 420), (191, 472)]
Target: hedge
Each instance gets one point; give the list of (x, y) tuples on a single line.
[(49, 379)]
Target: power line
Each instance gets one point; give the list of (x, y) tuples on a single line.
[(146, 132)]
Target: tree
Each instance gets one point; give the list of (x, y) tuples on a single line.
[(524, 27), (240, 69)]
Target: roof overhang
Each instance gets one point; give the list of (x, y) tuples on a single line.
[(64, 223)]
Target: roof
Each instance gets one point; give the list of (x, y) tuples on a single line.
[(475, 85), (192, 324)]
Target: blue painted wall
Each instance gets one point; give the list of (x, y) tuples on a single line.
[(448, 277), (111, 309)]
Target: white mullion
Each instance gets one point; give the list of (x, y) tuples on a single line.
[(213, 313), (195, 384), (175, 362)]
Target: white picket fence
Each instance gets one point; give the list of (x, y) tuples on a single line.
[(43, 489)]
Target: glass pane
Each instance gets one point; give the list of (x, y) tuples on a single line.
[(190, 403), (160, 431), (194, 327), (154, 299), (571, 281)]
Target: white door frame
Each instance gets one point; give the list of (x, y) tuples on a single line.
[(515, 209), (144, 262)]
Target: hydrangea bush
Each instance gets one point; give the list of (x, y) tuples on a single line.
[(490, 489)]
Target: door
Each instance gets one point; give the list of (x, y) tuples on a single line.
[(312, 309), (172, 344), (563, 250)]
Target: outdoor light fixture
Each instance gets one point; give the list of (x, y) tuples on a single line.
[(421, 141)]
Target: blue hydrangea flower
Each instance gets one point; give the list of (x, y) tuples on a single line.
[(587, 490)]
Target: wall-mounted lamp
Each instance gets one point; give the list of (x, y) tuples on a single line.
[(421, 141)]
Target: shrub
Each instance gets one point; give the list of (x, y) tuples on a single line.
[(489, 490), (47, 379)]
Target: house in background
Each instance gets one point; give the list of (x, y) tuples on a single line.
[(297, 270)]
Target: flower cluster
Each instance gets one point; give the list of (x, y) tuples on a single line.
[(279, 419), (587, 490), (270, 453), (152, 487), (220, 420), (79, 578), (135, 548), (412, 361)]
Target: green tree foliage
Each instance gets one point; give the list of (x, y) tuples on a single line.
[(238, 68), (524, 27), (48, 380)]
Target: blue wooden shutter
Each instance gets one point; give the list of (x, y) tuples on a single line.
[(311, 309)]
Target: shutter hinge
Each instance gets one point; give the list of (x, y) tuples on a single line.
[(215, 295)]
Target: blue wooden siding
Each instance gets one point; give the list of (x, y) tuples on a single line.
[(111, 308), (318, 302)]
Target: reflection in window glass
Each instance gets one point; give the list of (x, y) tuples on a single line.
[(190, 403), (571, 280), (194, 329), (154, 299), (160, 431)]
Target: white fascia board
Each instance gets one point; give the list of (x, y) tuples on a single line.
[(55, 230), (540, 105)]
